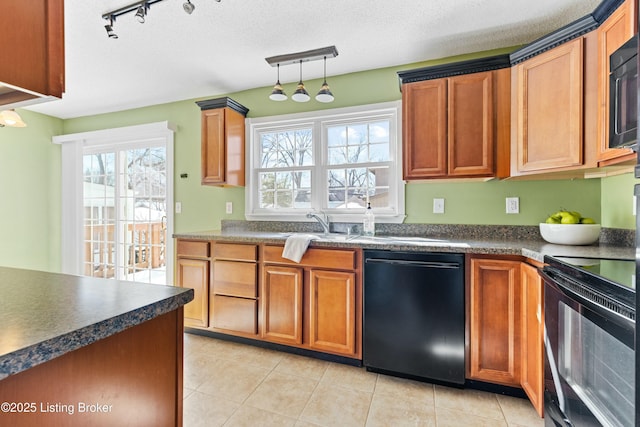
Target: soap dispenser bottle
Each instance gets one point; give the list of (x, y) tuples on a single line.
[(369, 222)]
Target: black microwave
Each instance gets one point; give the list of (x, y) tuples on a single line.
[(623, 96)]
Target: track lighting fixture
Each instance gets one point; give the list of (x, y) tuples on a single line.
[(11, 119), (140, 8), (325, 95), (301, 94), (109, 28), (141, 12), (188, 7), (278, 94)]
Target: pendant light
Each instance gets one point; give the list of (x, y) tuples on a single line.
[(12, 119), (277, 94), (301, 94), (325, 95)]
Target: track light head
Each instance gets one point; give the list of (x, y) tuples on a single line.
[(188, 7), (109, 29), (141, 13)]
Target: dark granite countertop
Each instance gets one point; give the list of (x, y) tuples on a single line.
[(45, 315), (531, 248)]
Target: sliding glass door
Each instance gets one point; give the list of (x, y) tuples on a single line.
[(125, 211)]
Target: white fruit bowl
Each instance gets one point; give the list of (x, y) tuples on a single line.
[(570, 234)]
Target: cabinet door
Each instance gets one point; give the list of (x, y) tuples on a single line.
[(194, 273), (332, 311), (470, 124), (532, 346), (549, 110), (235, 314), (494, 321), (613, 33), (213, 147), (32, 49), (424, 125), (281, 303)]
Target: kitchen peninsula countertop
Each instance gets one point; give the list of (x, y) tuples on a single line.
[(46, 315), (534, 249)]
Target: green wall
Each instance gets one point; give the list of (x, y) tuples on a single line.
[(617, 201), (30, 194), (30, 172)]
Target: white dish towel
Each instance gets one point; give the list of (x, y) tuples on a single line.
[(296, 245)]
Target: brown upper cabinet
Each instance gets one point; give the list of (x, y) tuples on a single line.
[(613, 33), (454, 126), (32, 51), (222, 153), (548, 110)]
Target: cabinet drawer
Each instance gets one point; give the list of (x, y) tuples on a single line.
[(235, 279), (193, 248), (235, 314), (235, 251), (328, 258)]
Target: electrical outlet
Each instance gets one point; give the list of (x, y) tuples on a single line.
[(178, 207), (635, 204), (229, 207), (513, 205), (438, 206)]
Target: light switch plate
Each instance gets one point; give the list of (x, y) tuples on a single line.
[(438, 206), (178, 207)]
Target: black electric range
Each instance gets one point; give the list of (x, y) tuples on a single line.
[(613, 279)]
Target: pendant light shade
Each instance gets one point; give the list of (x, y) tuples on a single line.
[(325, 95), (12, 119), (301, 94), (277, 94)]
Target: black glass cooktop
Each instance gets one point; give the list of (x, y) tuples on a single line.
[(620, 271), (612, 280)]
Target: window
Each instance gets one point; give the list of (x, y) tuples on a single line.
[(333, 161)]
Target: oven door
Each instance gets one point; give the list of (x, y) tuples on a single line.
[(589, 362)]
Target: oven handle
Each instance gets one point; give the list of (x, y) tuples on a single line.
[(550, 275)]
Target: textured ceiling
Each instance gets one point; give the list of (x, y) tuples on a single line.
[(221, 47)]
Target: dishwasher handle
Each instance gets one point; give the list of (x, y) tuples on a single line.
[(407, 263)]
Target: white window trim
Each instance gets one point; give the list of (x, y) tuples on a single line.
[(73, 146), (254, 125)]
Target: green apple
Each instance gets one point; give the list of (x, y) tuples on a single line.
[(587, 221), (569, 218)]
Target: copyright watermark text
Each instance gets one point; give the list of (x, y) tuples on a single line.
[(55, 407)]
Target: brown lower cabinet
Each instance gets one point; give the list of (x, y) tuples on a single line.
[(315, 304), (192, 271), (505, 324)]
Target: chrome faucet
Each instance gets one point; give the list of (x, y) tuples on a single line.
[(322, 222)]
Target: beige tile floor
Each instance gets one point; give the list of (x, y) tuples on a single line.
[(229, 384)]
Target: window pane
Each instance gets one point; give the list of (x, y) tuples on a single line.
[(288, 148), (379, 132), (358, 143)]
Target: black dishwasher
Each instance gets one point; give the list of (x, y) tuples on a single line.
[(414, 315)]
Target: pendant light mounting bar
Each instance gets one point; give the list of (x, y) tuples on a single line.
[(306, 56)]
